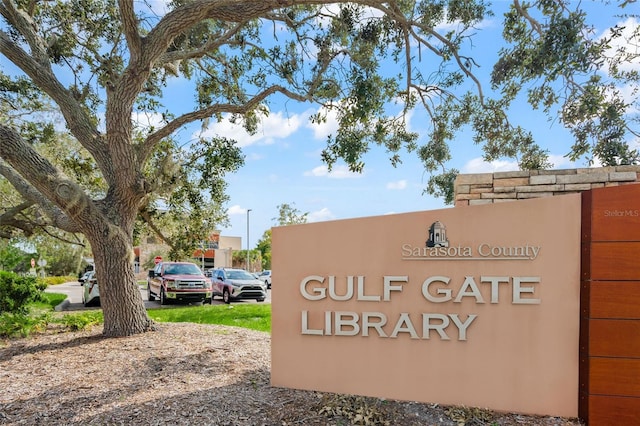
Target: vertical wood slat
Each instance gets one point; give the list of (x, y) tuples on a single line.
[(615, 377), (614, 338), (615, 260), (610, 307), (616, 214), (584, 399), (602, 409), (615, 299)]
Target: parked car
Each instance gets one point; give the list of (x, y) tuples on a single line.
[(91, 292), (235, 284), (86, 276), (178, 281), (265, 276)]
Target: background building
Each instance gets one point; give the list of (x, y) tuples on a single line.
[(215, 252)]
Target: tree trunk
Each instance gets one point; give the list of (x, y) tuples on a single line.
[(122, 304), (78, 270)]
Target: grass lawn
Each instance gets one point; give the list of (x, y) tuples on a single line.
[(51, 300), (253, 316)]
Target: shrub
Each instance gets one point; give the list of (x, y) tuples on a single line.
[(59, 280), (22, 325), (16, 292), (77, 322)]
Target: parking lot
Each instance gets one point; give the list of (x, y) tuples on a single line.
[(73, 290)]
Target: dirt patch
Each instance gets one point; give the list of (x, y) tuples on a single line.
[(186, 374)]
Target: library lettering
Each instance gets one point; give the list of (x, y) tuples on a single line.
[(434, 289)]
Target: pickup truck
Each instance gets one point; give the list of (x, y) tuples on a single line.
[(178, 281)]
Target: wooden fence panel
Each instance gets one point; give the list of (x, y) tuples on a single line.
[(610, 307)]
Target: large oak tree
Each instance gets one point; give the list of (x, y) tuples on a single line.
[(89, 68)]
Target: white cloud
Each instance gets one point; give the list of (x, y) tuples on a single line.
[(445, 26), (272, 127), (322, 130), (330, 125), (560, 162), (338, 172), (627, 41), (279, 125), (236, 210), (145, 120), (628, 93), (334, 9), (478, 165), (321, 215), (400, 184), (596, 163)]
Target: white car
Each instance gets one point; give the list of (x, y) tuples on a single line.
[(91, 293), (236, 284), (265, 277), (86, 276)]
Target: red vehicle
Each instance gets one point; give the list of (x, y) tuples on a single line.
[(178, 281)]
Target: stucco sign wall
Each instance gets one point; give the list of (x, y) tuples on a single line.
[(475, 306)]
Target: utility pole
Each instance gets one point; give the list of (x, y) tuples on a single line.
[(248, 210)]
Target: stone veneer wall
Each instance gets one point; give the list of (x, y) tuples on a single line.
[(486, 188)]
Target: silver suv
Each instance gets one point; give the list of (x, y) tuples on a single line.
[(265, 276), (235, 284)]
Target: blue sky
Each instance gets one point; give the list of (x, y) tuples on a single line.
[(283, 163)]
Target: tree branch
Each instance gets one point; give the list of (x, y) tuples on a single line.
[(147, 146), (177, 55), (58, 218), (144, 214), (63, 200), (77, 120), (8, 218), (23, 22), (130, 27), (63, 239), (535, 25)]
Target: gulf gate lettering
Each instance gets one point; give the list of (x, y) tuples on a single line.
[(434, 289)]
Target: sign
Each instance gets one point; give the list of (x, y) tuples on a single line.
[(157, 259), (476, 295)]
